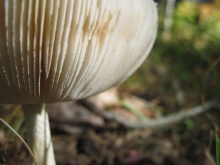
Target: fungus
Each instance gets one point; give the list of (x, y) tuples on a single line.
[(63, 50)]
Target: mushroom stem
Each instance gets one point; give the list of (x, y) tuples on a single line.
[(38, 132)]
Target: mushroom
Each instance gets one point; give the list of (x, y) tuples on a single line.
[(63, 50)]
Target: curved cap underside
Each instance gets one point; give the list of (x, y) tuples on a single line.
[(57, 50)]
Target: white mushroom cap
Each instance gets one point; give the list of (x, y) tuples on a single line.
[(59, 50)]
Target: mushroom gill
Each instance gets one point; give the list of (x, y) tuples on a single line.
[(58, 50)]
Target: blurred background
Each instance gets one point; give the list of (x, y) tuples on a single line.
[(181, 72)]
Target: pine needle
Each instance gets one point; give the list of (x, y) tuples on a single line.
[(7, 125)]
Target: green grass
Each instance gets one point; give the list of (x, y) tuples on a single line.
[(217, 142)]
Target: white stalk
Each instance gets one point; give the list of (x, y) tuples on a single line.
[(38, 132)]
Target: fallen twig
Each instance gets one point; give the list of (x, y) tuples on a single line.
[(153, 123)]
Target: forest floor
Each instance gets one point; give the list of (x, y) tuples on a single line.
[(81, 136)]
